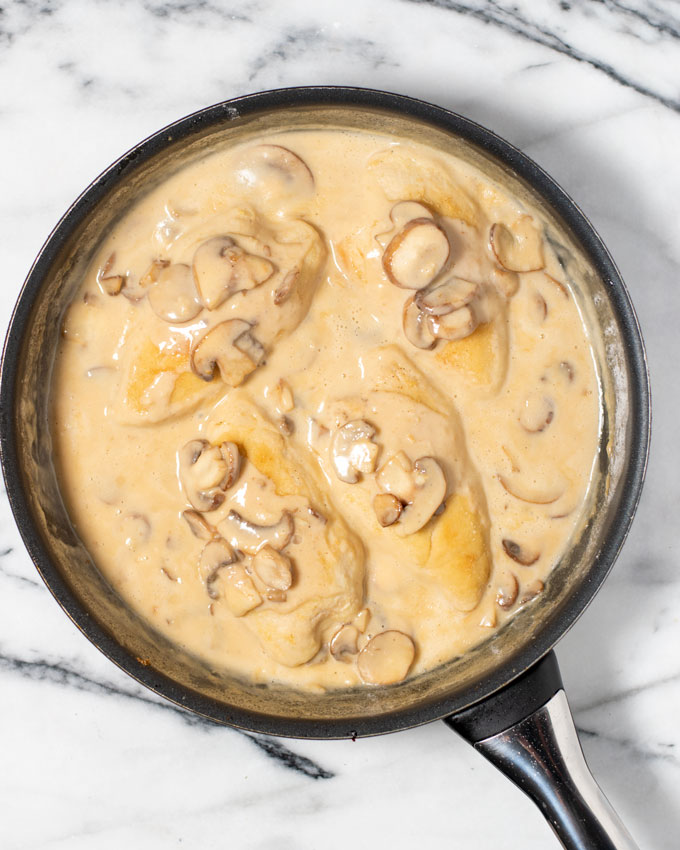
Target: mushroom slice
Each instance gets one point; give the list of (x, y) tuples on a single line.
[(231, 348), (446, 297), (387, 508), (343, 644), (523, 555), (396, 477), (205, 471), (417, 254), (520, 491), (272, 568), (237, 589), (353, 451), (284, 397), (284, 289), (215, 555), (429, 492), (275, 170), (404, 211), (506, 595), (453, 326), (232, 458), (505, 281), (221, 268), (199, 526), (519, 249), (111, 284), (537, 412), (531, 591), (173, 294), (386, 658), (416, 327), (251, 537)]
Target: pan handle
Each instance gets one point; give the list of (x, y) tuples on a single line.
[(526, 730)]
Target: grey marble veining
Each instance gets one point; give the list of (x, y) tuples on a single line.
[(591, 90)]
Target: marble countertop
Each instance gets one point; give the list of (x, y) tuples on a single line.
[(588, 88)]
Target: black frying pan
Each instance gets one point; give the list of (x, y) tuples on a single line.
[(505, 696)]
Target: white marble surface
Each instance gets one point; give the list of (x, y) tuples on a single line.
[(589, 89)]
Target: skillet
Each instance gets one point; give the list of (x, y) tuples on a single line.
[(505, 696)]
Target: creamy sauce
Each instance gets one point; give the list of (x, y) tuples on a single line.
[(271, 353)]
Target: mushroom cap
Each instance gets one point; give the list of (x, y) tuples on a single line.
[(221, 268), (519, 249), (203, 473), (386, 658), (456, 325), (173, 295), (353, 451), (343, 644), (417, 254), (231, 349), (272, 568), (404, 211), (429, 493), (445, 297), (251, 537), (416, 327), (275, 172), (387, 508)]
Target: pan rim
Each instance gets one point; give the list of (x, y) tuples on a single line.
[(639, 400)]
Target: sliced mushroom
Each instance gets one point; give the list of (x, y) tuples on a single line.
[(229, 347), (417, 254), (150, 276), (453, 326), (237, 590), (531, 591), (353, 451), (521, 491), (343, 644), (173, 295), (446, 297), (386, 658), (506, 594), (284, 289), (387, 508), (557, 283), (221, 268), (539, 308), (111, 284), (251, 537), (404, 211), (275, 170), (522, 554), (272, 568), (206, 471), (198, 524), (216, 554), (537, 412), (429, 492), (505, 281), (284, 397), (416, 327), (519, 249), (396, 477)]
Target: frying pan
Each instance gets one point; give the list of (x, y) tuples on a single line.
[(504, 696)]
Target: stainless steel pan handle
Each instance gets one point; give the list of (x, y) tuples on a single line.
[(526, 730)]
